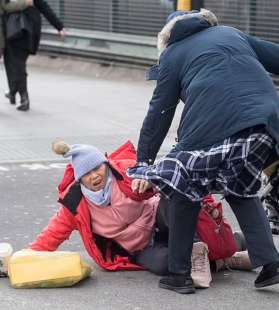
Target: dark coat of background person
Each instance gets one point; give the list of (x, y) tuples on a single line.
[(6, 7), (17, 51), (206, 67), (31, 41)]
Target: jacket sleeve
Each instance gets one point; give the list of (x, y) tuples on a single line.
[(2, 43), (48, 13), (267, 52), (58, 230), (14, 6), (160, 114)]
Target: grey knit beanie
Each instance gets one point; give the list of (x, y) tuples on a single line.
[(84, 157)]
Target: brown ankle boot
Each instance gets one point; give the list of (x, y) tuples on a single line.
[(239, 261)]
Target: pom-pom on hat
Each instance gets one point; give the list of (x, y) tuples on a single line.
[(84, 157)]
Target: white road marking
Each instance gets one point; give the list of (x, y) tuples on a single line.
[(4, 168), (33, 166)]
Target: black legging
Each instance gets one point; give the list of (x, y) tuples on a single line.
[(15, 59), (155, 258)]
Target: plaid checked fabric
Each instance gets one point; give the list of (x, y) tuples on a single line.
[(232, 167)]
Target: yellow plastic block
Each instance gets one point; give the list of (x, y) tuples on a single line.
[(32, 269)]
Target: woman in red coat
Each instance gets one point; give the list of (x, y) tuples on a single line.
[(120, 229)]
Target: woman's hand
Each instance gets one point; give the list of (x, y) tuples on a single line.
[(140, 186), (62, 34)]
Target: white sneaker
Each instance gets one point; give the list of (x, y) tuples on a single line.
[(200, 265)]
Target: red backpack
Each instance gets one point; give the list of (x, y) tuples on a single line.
[(215, 231)]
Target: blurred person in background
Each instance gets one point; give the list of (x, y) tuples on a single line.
[(18, 49), (229, 128)]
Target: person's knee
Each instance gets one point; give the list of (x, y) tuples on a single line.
[(154, 259), (160, 268)]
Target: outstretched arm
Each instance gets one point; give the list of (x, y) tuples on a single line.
[(160, 114), (58, 230), (49, 14), (267, 52)]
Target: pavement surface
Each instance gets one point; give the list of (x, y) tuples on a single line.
[(88, 103)]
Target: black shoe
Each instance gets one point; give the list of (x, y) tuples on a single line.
[(24, 103), (240, 241), (182, 284), (23, 107), (11, 97), (268, 276)]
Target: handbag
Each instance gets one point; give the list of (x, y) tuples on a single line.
[(215, 231), (16, 25)]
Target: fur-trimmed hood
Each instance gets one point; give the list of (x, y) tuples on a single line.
[(182, 24)]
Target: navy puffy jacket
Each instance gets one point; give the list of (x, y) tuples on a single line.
[(221, 76)]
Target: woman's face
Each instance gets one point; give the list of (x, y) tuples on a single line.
[(96, 179)]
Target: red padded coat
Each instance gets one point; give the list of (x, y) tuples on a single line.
[(74, 215)]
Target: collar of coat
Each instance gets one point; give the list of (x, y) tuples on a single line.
[(183, 26)]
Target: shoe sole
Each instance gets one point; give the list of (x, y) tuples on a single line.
[(180, 290), (269, 282), (23, 108)]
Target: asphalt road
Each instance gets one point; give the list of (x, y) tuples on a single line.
[(86, 103)]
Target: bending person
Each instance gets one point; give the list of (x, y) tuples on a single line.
[(229, 127)]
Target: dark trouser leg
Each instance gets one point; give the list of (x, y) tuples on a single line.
[(15, 60), (183, 217), (10, 70), (154, 259), (255, 227), (22, 82)]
